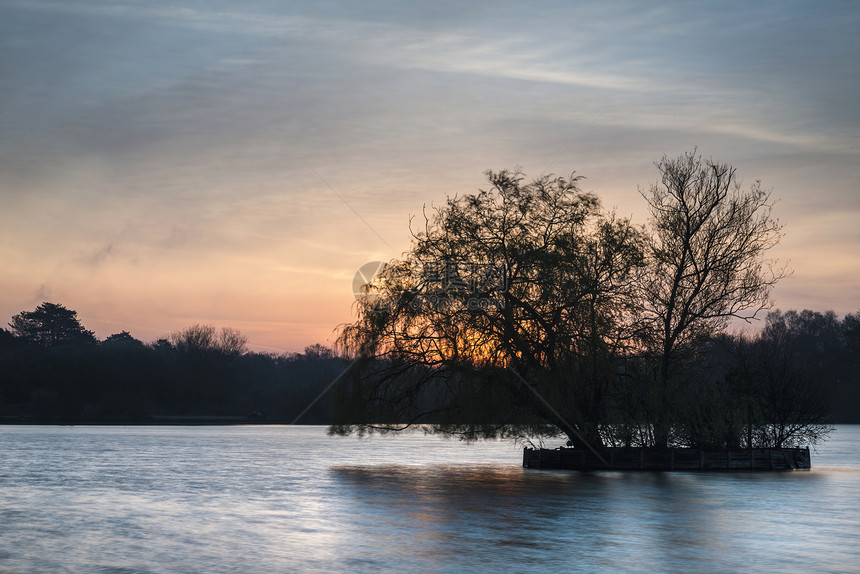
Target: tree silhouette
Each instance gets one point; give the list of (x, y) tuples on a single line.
[(122, 339), (7, 339), (706, 264), (50, 324), (789, 371), (206, 339), (594, 324), (505, 315)]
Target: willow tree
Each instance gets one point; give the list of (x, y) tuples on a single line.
[(707, 264), (504, 317)]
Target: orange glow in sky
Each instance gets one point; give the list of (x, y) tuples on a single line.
[(236, 164)]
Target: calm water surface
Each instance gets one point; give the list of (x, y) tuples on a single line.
[(291, 499)]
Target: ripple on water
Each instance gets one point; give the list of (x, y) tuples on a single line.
[(259, 499)]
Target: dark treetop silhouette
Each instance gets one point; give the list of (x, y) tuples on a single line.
[(50, 324), (198, 374)]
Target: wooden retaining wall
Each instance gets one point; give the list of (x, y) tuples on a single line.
[(668, 459)]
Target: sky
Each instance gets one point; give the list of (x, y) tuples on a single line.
[(166, 164)]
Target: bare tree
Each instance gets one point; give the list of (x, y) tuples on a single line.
[(194, 339), (706, 264), (231, 341), (206, 338)]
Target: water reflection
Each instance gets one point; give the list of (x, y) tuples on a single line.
[(635, 521), (276, 500)]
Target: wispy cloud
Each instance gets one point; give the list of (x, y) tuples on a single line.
[(97, 256)]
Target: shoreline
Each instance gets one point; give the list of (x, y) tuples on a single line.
[(155, 420)]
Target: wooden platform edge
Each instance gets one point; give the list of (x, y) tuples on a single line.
[(682, 459)]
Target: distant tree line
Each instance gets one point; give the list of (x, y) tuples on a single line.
[(52, 369), (800, 372)]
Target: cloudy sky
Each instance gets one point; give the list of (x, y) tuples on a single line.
[(236, 163)]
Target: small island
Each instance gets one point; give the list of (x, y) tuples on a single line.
[(527, 310)]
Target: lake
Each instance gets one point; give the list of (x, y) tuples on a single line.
[(291, 499)]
